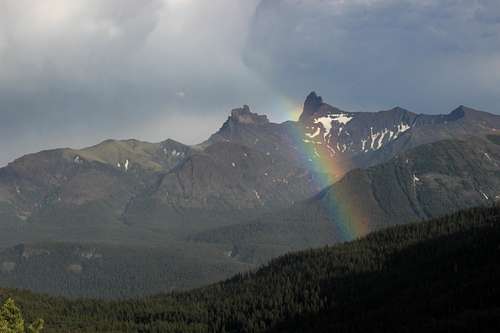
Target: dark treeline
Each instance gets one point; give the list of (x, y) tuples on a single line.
[(441, 275)]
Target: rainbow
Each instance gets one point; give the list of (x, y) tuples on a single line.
[(340, 203)]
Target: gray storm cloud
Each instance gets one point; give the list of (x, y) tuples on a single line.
[(73, 72), (427, 55)]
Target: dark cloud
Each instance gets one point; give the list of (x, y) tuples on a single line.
[(427, 55)]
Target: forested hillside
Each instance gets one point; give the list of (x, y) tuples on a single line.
[(113, 271), (441, 275)]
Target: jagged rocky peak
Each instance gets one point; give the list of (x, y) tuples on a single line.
[(312, 104), (245, 116), (315, 107), (240, 120)]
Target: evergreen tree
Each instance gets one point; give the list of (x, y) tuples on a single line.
[(11, 320)]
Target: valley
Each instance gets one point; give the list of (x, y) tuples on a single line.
[(444, 271)]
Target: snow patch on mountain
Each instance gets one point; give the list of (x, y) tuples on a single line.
[(402, 127), (315, 134), (382, 136), (415, 179), (327, 121), (341, 118), (374, 137), (484, 195), (334, 131), (257, 195)]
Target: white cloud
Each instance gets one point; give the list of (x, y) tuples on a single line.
[(71, 40)]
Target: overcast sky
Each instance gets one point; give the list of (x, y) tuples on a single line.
[(74, 72)]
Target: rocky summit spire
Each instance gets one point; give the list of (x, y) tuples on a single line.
[(311, 105), (245, 116)]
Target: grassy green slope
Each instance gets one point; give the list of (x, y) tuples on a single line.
[(440, 275)]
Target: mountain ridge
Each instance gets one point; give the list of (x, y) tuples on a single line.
[(25, 179), (33, 181)]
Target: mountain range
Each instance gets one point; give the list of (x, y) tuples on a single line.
[(252, 191)]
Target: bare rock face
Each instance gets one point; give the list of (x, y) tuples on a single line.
[(245, 116), (311, 106)]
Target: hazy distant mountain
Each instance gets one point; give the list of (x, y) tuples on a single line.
[(109, 173)]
